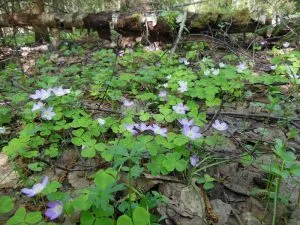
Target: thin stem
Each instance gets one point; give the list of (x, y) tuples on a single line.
[(277, 181)]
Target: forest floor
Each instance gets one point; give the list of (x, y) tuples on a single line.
[(134, 136)]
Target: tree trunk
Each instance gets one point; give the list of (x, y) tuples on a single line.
[(161, 27), (41, 32)]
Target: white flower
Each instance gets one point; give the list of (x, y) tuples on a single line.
[(206, 72), (182, 86), (169, 77), (294, 76), (286, 44), (220, 126), (37, 106), (273, 67), (48, 113), (180, 108), (165, 85), (215, 72), (222, 65), (101, 121), (184, 61), (2, 130), (59, 91), (241, 67), (41, 94), (127, 103)]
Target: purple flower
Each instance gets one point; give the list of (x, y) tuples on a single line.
[(158, 130), (36, 189), (2, 130), (194, 160), (143, 127), (130, 128), (37, 106), (186, 122), (241, 67), (48, 113), (121, 53), (180, 108), (54, 210), (41, 94), (127, 103), (59, 91), (182, 86), (192, 133), (162, 94), (220, 126)]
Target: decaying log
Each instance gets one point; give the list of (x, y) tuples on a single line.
[(161, 26)]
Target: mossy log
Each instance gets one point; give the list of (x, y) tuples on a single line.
[(162, 26)]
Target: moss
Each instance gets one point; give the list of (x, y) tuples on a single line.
[(169, 17), (203, 19), (241, 17)]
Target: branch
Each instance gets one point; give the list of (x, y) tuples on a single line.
[(182, 25)]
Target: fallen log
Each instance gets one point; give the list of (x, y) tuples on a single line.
[(161, 26)]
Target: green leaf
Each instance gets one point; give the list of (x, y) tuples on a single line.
[(181, 165), (105, 179), (52, 187), (124, 220), (81, 203), (88, 152), (159, 117), (295, 170), (18, 218), (104, 221), (6, 204), (146, 96), (145, 116), (33, 217), (87, 218), (141, 216), (208, 185), (37, 167), (180, 140), (78, 132), (77, 141)]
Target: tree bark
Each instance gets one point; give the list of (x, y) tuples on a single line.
[(41, 32), (161, 26)]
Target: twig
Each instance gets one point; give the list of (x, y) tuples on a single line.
[(182, 25), (112, 74), (61, 167), (188, 4), (214, 117), (252, 116)]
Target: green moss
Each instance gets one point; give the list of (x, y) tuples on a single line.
[(169, 17)]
